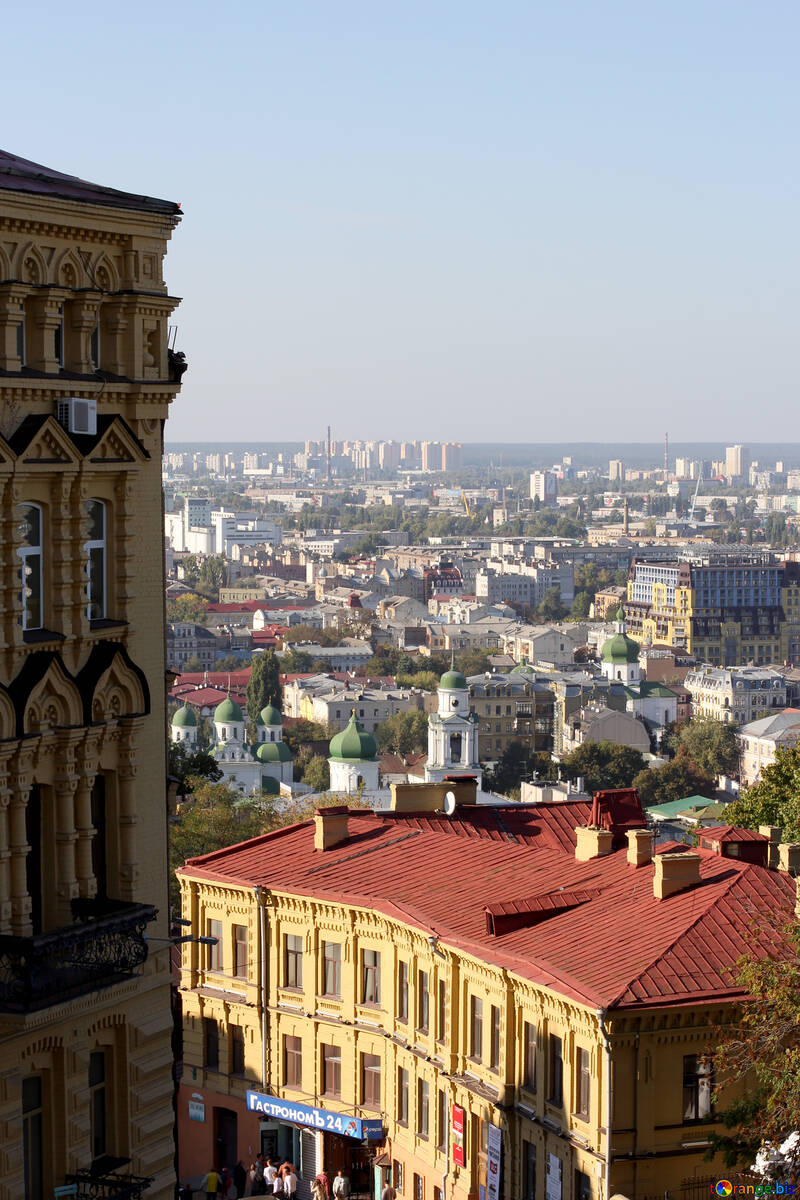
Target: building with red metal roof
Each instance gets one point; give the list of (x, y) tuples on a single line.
[(524, 957)]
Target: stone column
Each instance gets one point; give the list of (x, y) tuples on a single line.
[(21, 784), (66, 785), (12, 315), (46, 317), (5, 849), (127, 814), (84, 830), (81, 321), (114, 330)]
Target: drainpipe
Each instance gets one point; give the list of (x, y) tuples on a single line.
[(601, 1017), (261, 897)]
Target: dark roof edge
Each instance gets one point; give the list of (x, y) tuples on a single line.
[(22, 175)]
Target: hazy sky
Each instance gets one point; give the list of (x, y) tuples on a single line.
[(483, 222)]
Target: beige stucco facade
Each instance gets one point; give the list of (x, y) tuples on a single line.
[(85, 1020)]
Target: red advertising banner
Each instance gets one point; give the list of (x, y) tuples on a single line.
[(457, 1118)]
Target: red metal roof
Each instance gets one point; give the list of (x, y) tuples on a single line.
[(731, 833), (618, 947)]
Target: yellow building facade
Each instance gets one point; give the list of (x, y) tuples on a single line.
[(86, 378), (469, 1065)]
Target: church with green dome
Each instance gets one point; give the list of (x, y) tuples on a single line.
[(353, 760), (452, 732), (263, 766)]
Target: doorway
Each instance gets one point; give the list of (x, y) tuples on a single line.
[(226, 1138)]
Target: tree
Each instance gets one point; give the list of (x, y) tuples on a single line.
[(228, 663), (317, 774), (264, 685), (187, 607), (552, 608), (195, 764), (760, 1046), (516, 763), (404, 733), (427, 681), (296, 662), (580, 606), (602, 765), (775, 799), (213, 816), (472, 662), (192, 664), (301, 732), (675, 780), (712, 744)]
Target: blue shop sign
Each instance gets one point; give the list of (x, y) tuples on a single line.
[(314, 1118)]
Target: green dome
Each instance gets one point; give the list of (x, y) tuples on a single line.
[(270, 716), (270, 786), (620, 614), (522, 669), (273, 752), (184, 716), (453, 679), (228, 710), (353, 744), (620, 649)]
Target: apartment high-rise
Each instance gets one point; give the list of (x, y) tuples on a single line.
[(737, 462), (86, 378), (431, 456), (544, 487)]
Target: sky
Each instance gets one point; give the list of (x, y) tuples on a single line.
[(481, 222)]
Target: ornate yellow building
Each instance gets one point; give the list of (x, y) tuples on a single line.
[(460, 998), (86, 378)]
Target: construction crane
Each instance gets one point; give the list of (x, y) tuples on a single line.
[(466, 503)]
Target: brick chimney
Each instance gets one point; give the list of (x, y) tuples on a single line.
[(640, 846), (592, 842), (675, 873), (773, 832), (789, 857), (330, 826)]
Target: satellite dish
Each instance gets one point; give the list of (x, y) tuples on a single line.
[(449, 803)]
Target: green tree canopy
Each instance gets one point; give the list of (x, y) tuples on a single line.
[(552, 607), (404, 733), (264, 685), (712, 744), (775, 799), (188, 607), (191, 764), (317, 774), (296, 662), (675, 780), (301, 732), (602, 765)]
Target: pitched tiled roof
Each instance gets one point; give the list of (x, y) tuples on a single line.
[(616, 946), (732, 833)]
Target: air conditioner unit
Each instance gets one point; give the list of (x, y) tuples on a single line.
[(77, 415)]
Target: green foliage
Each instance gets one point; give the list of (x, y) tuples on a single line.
[(297, 662), (712, 744), (602, 765), (472, 662), (228, 663), (428, 681), (404, 733), (761, 1047), (264, 685), (675, 780), (188, 607), (192, 664), (195, 764), (515, 765), (775, 799), (580, 606), (552, 608), (317, 774), (301, 732)]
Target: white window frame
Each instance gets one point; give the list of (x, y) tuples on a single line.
[(27, 552), (91, 544)]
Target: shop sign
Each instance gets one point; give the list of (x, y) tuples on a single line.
[(314, 1118), (197, 1110), (494, 1153), (457, 1134)]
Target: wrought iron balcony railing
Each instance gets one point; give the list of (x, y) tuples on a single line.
[(104, 1180), (105, 944)]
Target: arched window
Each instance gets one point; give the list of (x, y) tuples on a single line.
[(95, 548), (31, 554)]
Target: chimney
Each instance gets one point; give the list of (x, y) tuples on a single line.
[(774, 834), (592, 842), (330, 826), (789, 857), (640, 846), (675, 873)]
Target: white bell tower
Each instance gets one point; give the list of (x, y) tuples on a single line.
[(452, 732)]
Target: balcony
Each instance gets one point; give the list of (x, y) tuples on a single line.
[(103, 946), (103, 1180)]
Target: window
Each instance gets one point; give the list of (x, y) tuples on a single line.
[(475, 1027), (371, 982), (215, 951), (582, 1083), (211, 1039), (423, 1001), (583, 1186), (556, 1072), (33, 1136), (528, 1171), (240, 951), (293, 961), (494, 1047), (97, 1102), (697, 1085), (423, 1102), (419, 1187), (99, 856), (30, 552), (442, 1120), (333, 969), (397, 1175), (94, 350), (402, 991), (370, 1081), (402, 1096), (441, 1011), (331, 1071), (95, 548), (237, 1050), (292, 1061)]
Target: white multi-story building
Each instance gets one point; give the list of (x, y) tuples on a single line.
[(759, 741), (737, 695), (544, 487)]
